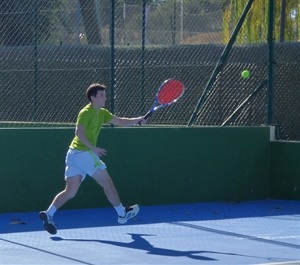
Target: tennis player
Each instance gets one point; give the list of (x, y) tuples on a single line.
[(83, 158)]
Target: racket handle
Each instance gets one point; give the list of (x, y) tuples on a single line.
[(148, 114)]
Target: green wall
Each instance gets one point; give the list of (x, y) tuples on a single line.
[(149, 166), (285, 170)]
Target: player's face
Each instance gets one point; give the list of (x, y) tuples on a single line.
[(100, 98)]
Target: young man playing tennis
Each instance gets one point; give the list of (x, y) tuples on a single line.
[(83, 158)]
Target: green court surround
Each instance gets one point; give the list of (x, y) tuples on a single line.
[(151, 166)]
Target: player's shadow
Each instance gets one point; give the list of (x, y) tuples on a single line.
[(139, 243)]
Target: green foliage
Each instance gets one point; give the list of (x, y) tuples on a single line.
[(255, 27)]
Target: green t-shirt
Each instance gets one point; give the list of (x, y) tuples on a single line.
[(92, 120)]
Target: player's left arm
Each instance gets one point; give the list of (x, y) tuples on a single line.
[(80, 132), (123, 122)]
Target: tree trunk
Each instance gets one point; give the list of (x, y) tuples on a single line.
[(90, 22)]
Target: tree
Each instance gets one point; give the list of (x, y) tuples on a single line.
[(255, 27), (90, 21), (26, 22)]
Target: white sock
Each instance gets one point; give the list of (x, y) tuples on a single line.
[(120, 210), (51, 210)]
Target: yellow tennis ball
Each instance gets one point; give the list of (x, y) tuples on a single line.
[(245, 74)]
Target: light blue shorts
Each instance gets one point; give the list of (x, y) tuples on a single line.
[(82, 163)]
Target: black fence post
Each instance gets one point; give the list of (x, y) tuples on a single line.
[(112, 57), (271, 62)]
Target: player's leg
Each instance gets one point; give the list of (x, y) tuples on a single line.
[(104, 180), (102, 177), (71, 188)]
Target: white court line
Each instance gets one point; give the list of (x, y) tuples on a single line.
[(282, 263)]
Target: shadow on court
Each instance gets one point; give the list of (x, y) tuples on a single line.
[(140, 243), (259, 232)]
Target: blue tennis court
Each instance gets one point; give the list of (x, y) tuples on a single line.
[(256, 232)]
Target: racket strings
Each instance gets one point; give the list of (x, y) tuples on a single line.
[(170, 92)]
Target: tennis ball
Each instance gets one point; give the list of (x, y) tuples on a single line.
[(245, 74)]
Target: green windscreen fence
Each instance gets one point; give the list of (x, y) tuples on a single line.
[(51, 51)]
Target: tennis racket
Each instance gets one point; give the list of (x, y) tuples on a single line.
[(168, 93)]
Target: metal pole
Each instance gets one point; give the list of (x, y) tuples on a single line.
[(181, 21), (124, 23), (78, 21), (143, 56), (174, 23), (112, 56), (271, 62), (282, 20), (253, 94), (36, 70), (220, 64)]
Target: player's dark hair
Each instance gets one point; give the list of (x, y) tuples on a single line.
[(93, 89)]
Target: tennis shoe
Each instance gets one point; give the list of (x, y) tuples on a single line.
[(130, 212), (48, 223)]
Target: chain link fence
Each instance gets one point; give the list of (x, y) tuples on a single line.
[(51, 51)]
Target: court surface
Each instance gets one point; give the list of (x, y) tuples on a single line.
[(257, 232)]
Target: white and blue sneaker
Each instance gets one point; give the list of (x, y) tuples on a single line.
[(48, 223), (131, 212)]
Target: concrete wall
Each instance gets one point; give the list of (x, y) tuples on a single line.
[(149, 166), (285, 170)]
